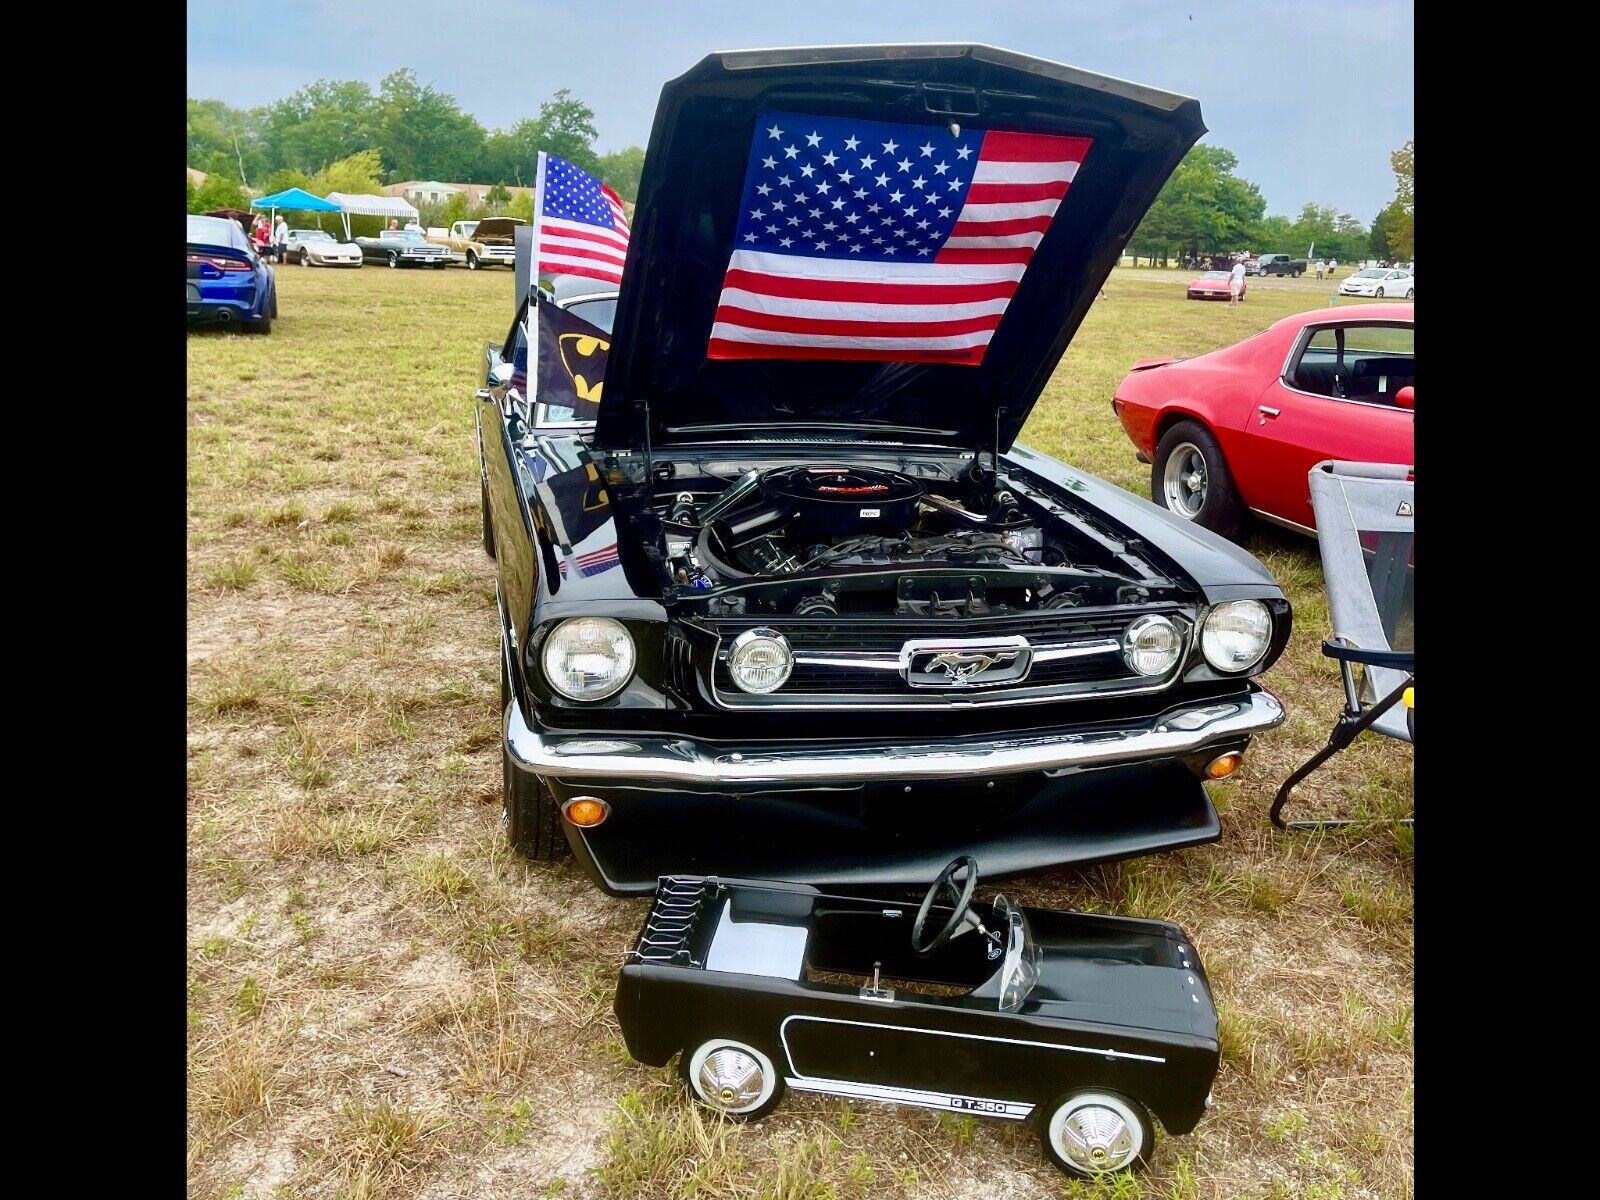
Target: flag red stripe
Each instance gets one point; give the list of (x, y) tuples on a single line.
[(1005, 254), (783, 323), (613, 276), (721, 348), (1009, 193), (1000, 146), (1000, 228), (589, 233), (843, 292)]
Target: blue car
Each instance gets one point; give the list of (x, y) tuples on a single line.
[(227, 279)]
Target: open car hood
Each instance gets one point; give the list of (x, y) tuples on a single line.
[(694, 193), (496, 228)]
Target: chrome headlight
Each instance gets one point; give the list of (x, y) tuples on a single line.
[(588, 658), (760, 661), (1151, 645), (1236, 635)]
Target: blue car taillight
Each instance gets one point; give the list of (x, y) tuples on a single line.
[(218, 264)]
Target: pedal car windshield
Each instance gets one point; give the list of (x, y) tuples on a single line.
[(1020, 971)]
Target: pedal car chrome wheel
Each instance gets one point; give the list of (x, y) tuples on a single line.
[(1096, 1133), (732, 1078)]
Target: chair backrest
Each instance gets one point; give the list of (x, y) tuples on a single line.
[(1366, 528)]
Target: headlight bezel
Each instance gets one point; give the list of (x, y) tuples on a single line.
[(1145, 624), (1222, 611), (550, 645), (749, 642)]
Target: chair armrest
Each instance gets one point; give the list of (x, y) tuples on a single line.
[(1399, 660)]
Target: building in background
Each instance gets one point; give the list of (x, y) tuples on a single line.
[(432, 191)]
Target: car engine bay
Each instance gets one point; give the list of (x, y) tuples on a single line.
[(821, 540)]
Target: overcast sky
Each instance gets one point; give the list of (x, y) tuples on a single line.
[(1312, 97)]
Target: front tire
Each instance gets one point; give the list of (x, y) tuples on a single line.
[(528, 814), (734, 1078), (305, 258), (472, 261), (1189, 477), (1090, 1134), (1378, 295), (1411, 293), (394, 260)]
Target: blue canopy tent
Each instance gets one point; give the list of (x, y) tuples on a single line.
[(294, 200)]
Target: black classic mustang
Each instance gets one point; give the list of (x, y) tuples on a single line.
[(1086, 1024), (779, 595)]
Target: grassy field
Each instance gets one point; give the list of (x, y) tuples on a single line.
[(385, 1002)]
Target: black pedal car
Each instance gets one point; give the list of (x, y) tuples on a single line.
[(1089, 1023)]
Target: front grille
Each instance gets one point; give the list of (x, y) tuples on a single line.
[(1074, 653)]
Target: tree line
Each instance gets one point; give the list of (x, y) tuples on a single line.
[(1206, 209), (415, 131), (340, 135)]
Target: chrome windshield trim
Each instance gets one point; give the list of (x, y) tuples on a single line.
[(691, 762)]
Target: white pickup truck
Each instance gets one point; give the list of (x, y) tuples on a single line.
[(480, 243)]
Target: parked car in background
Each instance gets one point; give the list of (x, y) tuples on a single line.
[(822, 619), (1381, 282), (403, 248), (1213, 285), (227, 280), (1238, 429), (318, 248), (481, 243), (1279, 264)]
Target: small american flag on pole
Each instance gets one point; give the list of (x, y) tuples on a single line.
[(579, 226), (887, 241)]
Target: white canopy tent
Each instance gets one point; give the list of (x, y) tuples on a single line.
[(371, 206)]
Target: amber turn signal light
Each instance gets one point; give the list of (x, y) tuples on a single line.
[(1224, 765), (585, 811)]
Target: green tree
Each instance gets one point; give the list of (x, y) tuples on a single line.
[(323, 121), (226, 141), (356, 174), (218, 191), (1402, 220), (1203, 209), (189, 180), (1272, 235), (496, 199), (284, 179), (521, 206), (622, 169), (456, 209), (566, 128), (423, 132)]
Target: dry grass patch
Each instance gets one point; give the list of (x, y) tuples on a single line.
[(384, 1000)]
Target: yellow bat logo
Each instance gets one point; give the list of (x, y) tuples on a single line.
[(575, 348)]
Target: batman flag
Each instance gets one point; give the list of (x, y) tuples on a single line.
[(572, 365)]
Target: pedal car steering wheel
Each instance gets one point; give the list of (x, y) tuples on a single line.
[(961, 895)]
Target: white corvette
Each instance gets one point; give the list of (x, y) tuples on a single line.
[(317, 248)]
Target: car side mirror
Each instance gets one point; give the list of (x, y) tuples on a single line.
[(1405, 398), (500, 374)]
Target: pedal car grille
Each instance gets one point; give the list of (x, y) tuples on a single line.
[(673, 932)]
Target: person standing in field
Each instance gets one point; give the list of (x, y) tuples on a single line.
[(1321, 267), (1333, 265), (1235, 283), (260, 236), (280, 239)]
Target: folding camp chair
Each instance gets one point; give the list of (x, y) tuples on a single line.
[(1366, 530)]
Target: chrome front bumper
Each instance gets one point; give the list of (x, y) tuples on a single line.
[(585, 758)]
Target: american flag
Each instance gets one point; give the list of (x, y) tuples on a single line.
[(875, 240), (580, 223)]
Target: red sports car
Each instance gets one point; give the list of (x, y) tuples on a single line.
[(1237, 429), (1213, 285)]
